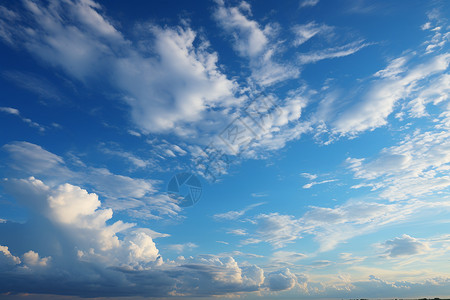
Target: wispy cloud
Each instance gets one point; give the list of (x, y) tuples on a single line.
[(311, 184), (305, 32), (16, 112), (235, 214), (330, 53)]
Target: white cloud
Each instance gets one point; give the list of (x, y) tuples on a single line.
[(15, 112), (278, 230), (336, 52), (259, 195), (138, 195), (307, 31), (36, 84), (32, 158), (280, 280), (233, 215), (182, 248), (394, 68), (252, 41), (173, 87), (415, 167), (309, 176), (306, 3), (311, 184), (286, 257), (249, 38), (238, 232), (32, 259), (6, 258), (374, 108), (404, 246)]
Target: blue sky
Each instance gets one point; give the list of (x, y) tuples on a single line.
[(318, 130)]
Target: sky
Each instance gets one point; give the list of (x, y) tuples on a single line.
[(224, 149)]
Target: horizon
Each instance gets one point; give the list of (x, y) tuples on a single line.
[(224, 149)]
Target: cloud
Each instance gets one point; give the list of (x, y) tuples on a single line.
[(32, 158), (336, 52), (277, 230), (238, 232), (172, 87), (249, 38), (253, 42), (309, 176), (404, 246), (415, 167), (32, 259), (259, 195), (35, 84), (182, 248), (395, 67), (280, 280), (115, 257), (6, 258), (136, 195), (305, 32), (378, 103), (311, 184), (306, 3), (286, 257), (16, 112), (233, 215)]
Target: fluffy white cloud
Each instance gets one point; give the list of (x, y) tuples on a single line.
[(6, 258), (32, 259), (404, 246), (280, 280), (249, 38), (121, 192), (95, 248), (170, 88)]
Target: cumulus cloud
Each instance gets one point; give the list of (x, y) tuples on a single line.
[(7, 258), (32, 259), (280, 280), (92, 248), (171, 87), (138, 195), (249, 38), (404, 246)]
